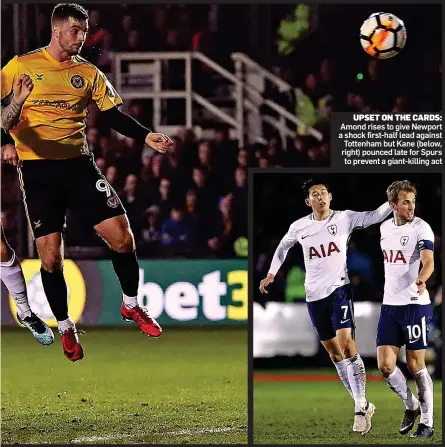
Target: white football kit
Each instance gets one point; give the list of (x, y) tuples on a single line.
[(401, 246), (324, 246)]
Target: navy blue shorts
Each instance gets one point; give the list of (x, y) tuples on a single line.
[(334, 312), (405, 325)]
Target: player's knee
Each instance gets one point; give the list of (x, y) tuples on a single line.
[(5, 253), (125, 243), (414, 365), (386, 368), (52, 262), (336, 356), (349, 348)]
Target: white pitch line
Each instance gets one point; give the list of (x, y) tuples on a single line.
[(189, 432), (198, 431), (81, 440)]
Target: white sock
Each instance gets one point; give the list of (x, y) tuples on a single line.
[(12, 276), (424, 386), (397, 382), (357, 381), (64, 325), (342, 369), (130, 301)]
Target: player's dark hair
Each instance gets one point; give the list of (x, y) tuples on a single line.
[(308, 184), (63, 11), (400, 185)]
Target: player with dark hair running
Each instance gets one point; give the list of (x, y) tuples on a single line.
[(407, 312), (11, 270), (58, 171), (324, 236)]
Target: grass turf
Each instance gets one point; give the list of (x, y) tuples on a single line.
[(323, 413), (187, 387)]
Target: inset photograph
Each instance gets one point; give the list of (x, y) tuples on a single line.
[(347, 326)]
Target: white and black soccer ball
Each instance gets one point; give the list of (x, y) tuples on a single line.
[(383, 35)]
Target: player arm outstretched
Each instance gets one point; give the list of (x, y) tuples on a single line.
[(109, 101), (128, 126), (286, 243), (425, 243), (364, 219)]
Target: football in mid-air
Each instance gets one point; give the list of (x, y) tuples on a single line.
[(383, 35)]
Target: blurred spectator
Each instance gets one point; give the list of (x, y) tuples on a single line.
[(240, 194), (206, 198), (149, 240), (223, 234), (96, 36), (105, 57), (93, 136), (100, 162), (111, 174), (165, 198), (178, 232), (215, 180), (359, 262), (243, 158), (133, 203)]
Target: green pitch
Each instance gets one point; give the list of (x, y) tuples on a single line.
[(323, 413), (187, 387)]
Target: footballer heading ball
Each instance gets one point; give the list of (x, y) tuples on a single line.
[(383, 35)]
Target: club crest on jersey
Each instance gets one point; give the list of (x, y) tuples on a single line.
[(112, 202), (77, 81), (404, 240), (332, 229), (39, 77)]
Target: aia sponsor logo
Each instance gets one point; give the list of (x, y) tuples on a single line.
[(393, 257), (322, 252)]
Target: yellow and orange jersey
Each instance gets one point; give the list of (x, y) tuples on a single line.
[(52, 123)]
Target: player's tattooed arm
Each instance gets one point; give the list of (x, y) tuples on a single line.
[(427, 258), (10, 113)]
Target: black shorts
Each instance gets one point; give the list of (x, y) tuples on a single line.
[(50, 187)]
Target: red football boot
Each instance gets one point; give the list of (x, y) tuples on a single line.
[(71, 346), (139, 315)]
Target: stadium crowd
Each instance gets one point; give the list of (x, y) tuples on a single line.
[(191, 202)]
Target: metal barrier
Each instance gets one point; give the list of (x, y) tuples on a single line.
[(247, 98)]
